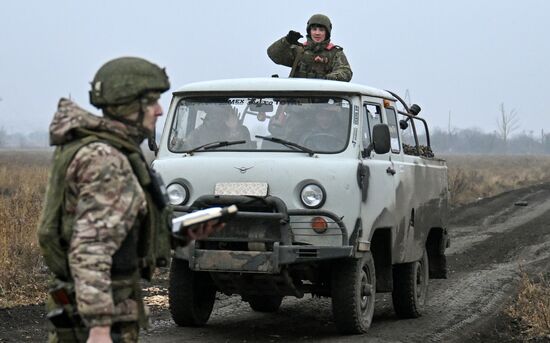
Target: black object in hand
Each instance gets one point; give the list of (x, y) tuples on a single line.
[(293, 36)]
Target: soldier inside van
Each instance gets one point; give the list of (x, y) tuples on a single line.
[(221, 123), (327, 128), (317, 58)]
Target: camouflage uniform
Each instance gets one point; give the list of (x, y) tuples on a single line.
[(317, 60), (104, 201), (103, 227)]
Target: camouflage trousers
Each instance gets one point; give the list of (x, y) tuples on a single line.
[(123, 332)]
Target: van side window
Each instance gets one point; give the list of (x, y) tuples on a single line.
[(394, 133), (372, 117)]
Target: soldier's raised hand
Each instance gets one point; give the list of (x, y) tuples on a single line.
[(293, 36)]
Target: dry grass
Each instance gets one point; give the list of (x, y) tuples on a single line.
[(23, 177), (532, 307), (478, 176)]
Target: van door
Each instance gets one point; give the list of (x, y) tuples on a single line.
[(409, 234), (378, 206)]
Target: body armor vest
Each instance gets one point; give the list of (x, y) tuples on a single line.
[(316, 63), (145, 247)]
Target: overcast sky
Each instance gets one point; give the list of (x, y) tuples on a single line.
[(464, 56)]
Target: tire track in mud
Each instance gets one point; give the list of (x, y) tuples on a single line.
[(509, 244)]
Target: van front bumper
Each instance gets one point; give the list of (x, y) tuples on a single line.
[(276, 218), (269, 262)]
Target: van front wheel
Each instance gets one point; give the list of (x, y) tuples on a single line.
[(191, 294), (353, 292)]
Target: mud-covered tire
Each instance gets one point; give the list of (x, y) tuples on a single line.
[(353, 293), (191, 294), (410, 287), (265, 303)]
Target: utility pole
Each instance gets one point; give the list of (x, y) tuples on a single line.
[(407, 97), (449, 124)]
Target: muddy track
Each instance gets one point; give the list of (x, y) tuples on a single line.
[(491, 240)]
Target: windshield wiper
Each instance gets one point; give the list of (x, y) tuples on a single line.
[(214, 145), (287, 143)]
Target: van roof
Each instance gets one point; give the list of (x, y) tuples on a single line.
[(273, 84)]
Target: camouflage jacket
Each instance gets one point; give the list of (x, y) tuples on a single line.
[(316, 60), (105, 200)]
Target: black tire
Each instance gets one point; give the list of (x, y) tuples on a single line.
[(353, 293), (265, 303), (410, 287), (191, 294)]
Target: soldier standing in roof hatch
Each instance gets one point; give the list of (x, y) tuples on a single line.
[(317, 58), (105, 221)]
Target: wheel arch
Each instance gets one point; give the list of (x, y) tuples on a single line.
[(436, 243), (381, 248)]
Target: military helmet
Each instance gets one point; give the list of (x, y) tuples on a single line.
[(322, 20), (126, 79)]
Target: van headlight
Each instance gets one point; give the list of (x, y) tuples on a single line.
[(178, 194), (312, 195)]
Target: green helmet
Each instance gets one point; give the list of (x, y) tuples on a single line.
[(322, 20), (124, 80)]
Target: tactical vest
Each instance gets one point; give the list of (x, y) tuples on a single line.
[(315, 64), (145, 247)]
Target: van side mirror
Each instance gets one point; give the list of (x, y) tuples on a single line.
[(380, 141)]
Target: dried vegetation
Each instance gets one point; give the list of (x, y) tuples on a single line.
[(23, 176), (532, 307), (479, 176)]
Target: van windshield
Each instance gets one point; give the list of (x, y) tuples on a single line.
[(318, 124)]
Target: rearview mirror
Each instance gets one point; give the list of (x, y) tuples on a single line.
[(261, 107), (381, 138), (380, 141)]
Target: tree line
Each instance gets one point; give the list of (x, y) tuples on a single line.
[(475, 141)]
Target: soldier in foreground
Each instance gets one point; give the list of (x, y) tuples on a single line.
[(105, 220), (317, 58)]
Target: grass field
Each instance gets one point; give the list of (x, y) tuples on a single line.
[(23, 177), (477, 176)]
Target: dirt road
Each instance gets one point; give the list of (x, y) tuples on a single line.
[(491, 239)]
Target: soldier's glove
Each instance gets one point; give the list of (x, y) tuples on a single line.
[(293, 36)]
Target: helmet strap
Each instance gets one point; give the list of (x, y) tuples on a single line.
[(139, 125), (120, 114)]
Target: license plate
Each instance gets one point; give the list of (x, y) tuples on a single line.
[(241, 188)]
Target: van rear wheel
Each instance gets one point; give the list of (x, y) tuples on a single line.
[(410, 287), (191, 294), (353, 293)]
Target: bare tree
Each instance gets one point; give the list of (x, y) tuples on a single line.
[(507, 123)]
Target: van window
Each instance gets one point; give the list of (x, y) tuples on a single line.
[(394, 133), (372, 117)]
